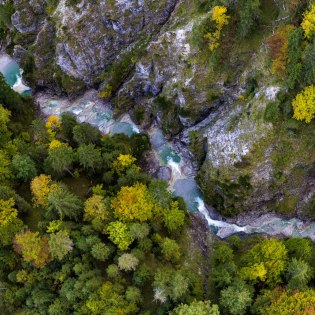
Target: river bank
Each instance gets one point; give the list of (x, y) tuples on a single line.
[(171, 156)]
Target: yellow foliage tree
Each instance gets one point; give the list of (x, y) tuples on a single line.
[(7, 212), (133, 203), (53, 124), (304, 104), (256, 272), (123, 162), (41, 187), (94, 208), (220, 18), (56, 144), (10, 224), (308, 23)]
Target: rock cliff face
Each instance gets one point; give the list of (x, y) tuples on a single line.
[(87, 36), (147, 57)]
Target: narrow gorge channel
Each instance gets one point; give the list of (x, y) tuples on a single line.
[(91, 109)]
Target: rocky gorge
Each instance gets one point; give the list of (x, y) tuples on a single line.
[(145, 60)]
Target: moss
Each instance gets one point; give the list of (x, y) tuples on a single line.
[(28, 66), (287, 205), (68, 84), (139, 114), (118, 71), (198, 146), (225, 194), (169, 113), (51, 6)]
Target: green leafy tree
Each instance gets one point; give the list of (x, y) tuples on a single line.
[(308, 69), (169, 283), (196, 307), (119, 234), (249, 11), (85, 134), (128, 262), (101, 251), (139, 231), (294, 65), (89, 157), (65, 203), (112, 271), (4, 120), (265, 262), (60, 244), (300, 248), (174, 218), (60, 160), (5, 172), (110, 299), (170, 250), (133, 295), (236, 298), (299, 274), (23, 167)]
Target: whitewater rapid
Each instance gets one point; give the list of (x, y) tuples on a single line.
[(90, 108)]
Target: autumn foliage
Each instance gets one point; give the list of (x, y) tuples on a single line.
[(220, 18), (308, 23), (278, 50), (33, 248), (304, 104), (133, 203), (41, 187)]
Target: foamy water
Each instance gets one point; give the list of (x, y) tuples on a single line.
[(12, 74)]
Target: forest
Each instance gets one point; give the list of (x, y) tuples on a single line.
[(85, 230)]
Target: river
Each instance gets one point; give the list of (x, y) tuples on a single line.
[(90, 108)]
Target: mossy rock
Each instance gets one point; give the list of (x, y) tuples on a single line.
[(68, 84)]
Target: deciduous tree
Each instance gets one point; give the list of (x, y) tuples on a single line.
[(10, 224), (308, 23), (95, 208), (128, 262), (23, 167), (304, 104), (266, 260), (41, 187), (196, 307), (32, 247), (133, 203), (119, 234), (60, 244)]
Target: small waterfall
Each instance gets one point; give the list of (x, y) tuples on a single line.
[(216, 223), (89, 108), (13, 74), (19, 86)]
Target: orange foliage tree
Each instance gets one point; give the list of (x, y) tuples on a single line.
[(278, 50)]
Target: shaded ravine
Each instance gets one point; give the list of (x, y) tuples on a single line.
[(90, 108)]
